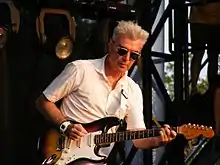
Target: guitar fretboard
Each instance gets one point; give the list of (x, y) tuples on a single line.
[(127, 135)]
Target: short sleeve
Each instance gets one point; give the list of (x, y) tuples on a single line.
[(135, 118), (65, 83)]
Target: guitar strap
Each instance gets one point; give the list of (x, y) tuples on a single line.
[(117, 154)]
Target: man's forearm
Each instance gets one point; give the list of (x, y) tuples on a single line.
[(50, 111), (147, 143)]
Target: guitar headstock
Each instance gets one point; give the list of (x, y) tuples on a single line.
[(193, 131)]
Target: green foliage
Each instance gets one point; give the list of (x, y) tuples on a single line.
[(202, 85), (169, 80)]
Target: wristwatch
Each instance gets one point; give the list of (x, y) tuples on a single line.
[(64, 125)]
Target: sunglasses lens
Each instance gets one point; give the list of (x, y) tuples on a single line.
[(134, 56), (122, 52)]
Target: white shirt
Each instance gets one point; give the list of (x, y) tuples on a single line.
[(87, 95)]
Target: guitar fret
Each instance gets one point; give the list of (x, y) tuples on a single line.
[(101, 139), (121, 136), (112, 137), (118, 136), (143, 133), (109, 138), (127, 136), (105, 140), (97, 139)]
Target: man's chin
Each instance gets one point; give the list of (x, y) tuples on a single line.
[(122, 69)]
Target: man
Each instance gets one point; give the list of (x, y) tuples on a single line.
[(94, 89), (205, 29)]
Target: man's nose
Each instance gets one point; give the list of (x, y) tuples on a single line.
[(127, 56)]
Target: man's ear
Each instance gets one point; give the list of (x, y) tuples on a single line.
[(110, 42)]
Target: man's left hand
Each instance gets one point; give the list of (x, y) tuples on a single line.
[(166, 134)]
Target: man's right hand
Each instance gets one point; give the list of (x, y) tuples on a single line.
[(75, 131)]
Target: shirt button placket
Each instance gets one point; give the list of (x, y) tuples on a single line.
[(108, 100)]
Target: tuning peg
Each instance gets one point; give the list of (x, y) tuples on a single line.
[(194, 125), (189, 124), (210, 127), (202, 127)]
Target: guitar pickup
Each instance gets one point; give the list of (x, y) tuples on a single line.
[(78, 143), (90, 140)]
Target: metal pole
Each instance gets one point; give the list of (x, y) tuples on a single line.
[(147, 80), (147, 97), (158, 104), (179, 37)]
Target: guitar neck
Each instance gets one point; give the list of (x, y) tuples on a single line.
[(127, 135)]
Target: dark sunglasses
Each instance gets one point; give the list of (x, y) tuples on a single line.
[(123, 52)]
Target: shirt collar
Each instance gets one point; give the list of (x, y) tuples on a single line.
[(100, 66)]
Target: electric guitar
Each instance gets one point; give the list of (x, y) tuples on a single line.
[(58, 149)]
